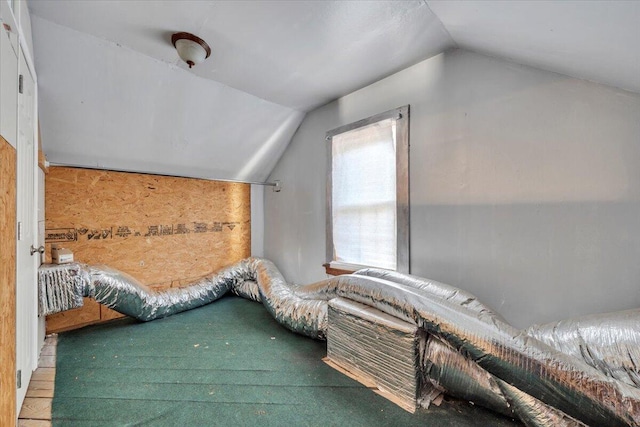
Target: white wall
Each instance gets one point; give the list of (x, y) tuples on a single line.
[(525, 186), (25, 26)]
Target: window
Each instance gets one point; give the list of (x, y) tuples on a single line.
[(368, 193)]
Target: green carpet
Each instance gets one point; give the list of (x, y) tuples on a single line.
[(226, 364)]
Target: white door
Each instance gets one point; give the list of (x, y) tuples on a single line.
[(27, 263)]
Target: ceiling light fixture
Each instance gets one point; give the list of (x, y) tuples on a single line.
[(192, 49)]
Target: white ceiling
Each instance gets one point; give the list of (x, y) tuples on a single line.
[(114, 94), (299, 54), (106, 106), (592, 40)]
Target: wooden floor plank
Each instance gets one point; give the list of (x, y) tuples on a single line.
[(47, 362), (48, 350), (51, 341), (41, 385), (36, 408), (34, 423), (39, 392), (44, 374)]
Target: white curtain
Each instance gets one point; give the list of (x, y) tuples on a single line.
[(364, 195)]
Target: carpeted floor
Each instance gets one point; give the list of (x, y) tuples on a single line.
[(225, 364)]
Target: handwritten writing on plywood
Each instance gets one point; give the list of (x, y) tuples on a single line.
[(162, 230)]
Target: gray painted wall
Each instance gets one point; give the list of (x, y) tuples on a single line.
[(525, 186)]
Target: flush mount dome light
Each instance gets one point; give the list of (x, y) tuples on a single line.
[(192, 49)]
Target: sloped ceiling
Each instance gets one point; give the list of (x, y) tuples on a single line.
[(592, 40), (114, 94), (103, 105)]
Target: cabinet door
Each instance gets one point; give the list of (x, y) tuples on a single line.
[(8, 87)]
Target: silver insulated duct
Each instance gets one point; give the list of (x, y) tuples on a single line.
[(581, 372)]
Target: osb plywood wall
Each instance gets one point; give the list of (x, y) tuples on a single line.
[(7, 283), (164, 231)]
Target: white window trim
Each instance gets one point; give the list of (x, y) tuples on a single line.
[(401, 115)]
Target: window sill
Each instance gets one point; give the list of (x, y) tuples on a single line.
[(334, 271), (336, 268)]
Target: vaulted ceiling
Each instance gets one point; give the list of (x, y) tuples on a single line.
[(114, 94)]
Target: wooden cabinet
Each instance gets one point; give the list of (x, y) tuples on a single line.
[(78, 317)]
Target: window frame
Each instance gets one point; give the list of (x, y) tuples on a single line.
[(401, 116)]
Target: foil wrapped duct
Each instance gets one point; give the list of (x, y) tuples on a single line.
[(445, 370), (437, 290), (252, 278), (468, 350), (609, 342), (558, 380)]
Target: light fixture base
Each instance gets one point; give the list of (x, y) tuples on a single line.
[(192, 49)]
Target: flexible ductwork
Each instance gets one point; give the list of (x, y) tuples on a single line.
[(470, 351), (609, 342)]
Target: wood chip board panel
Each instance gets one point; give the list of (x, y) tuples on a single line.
[(164, 231), (7, 284), (375, 349)]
